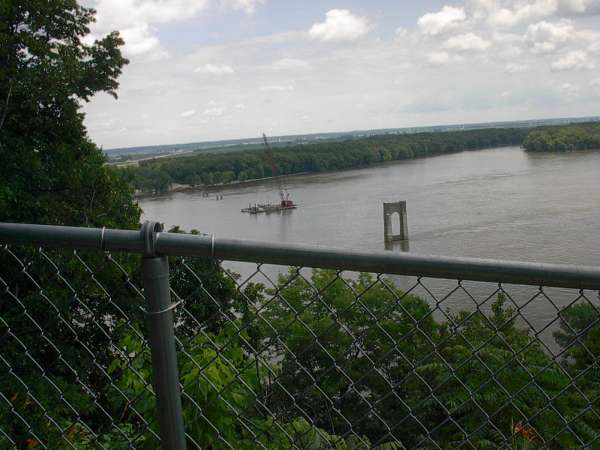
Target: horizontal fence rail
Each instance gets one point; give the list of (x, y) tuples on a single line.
[(151, 339), (474, 269)]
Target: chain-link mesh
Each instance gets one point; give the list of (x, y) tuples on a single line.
[(275, 358), (64, 316)]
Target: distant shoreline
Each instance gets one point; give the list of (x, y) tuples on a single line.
[(277, 140), (216, 187), (255, 181)]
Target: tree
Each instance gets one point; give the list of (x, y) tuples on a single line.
[(361, 356), (563, 138), (155, 176), (51, 172)]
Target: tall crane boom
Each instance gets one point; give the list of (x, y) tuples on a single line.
[(286, 202), (269, 155)]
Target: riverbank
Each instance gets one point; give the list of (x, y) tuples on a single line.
[(583, 136), (159, 176), (216, 188)]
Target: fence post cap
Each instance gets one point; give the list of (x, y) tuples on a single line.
[(148, 235)]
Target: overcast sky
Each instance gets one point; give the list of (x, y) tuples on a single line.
[(219, 69)]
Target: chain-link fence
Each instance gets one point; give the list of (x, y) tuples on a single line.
[(241, 345)]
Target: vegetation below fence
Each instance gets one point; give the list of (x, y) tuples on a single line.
[(583, 136), (341, 372), (156, 176)]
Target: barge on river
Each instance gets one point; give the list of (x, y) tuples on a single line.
[(284, 205)]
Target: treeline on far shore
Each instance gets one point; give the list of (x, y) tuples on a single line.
[(157, 176), (582, 136)]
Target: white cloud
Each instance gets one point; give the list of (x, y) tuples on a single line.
[(340, 26), (506, 38), (401, 32), (290, 63), (515, 67), (247, 6), (215, 69), (568, 89), (594, 47), (522, 12), (438, 58), (577, 59), (386, 79), (139, 40), (510, 13), (547, 37), (188, 113), (277, 88), (448, 18), (503, 17), (467, 42), (136, 19), (578, 7), (480, 9), (123, 13), (214, 112)]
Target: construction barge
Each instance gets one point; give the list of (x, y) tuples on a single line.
[(284, 205)]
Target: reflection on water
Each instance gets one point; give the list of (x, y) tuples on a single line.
[(501, 203), (400, 246)]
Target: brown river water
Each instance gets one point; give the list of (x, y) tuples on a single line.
[(500, 203)]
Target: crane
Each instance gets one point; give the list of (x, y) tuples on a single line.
[(286, 202)]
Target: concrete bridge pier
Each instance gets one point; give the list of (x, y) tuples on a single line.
[(389, 211)]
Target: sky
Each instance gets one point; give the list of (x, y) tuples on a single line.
[(223, 69)]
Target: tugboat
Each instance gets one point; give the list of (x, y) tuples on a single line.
[(286, 203)]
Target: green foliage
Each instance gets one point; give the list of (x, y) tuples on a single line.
[(56, 321), (579, 334), (346, 363), (209, 294), (310, 335), (51, 172), (564, 138), (156, 176), (221, 386), (82, 314), (473, 375)]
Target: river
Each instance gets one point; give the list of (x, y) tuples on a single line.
[(498, 203)]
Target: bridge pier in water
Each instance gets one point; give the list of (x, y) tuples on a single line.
[(389, 211)]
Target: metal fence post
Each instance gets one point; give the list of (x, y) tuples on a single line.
[(155, 274)]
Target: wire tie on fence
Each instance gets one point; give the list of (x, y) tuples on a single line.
[(171, 307), (102, 239)]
